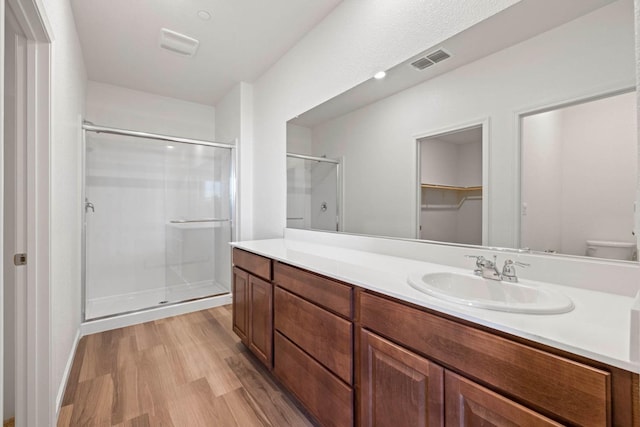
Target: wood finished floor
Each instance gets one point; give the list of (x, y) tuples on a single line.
[(188, 370)]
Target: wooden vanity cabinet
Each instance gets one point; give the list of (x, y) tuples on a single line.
[(470, 404), (397, 386), (489, 378), (313, 350), (253, 304), (339, 348), (402, 388)]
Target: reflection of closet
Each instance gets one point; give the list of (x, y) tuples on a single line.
[(447, 197), (451, 187)]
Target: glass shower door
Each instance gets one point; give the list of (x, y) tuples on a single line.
[(198, 227), (156, 223), (312, 193)]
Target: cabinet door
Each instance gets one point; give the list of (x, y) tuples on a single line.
[(261, 319), (469, 404), (398, 387), (240, 304)]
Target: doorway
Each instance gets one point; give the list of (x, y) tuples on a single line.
[(578, 177), (24, 266), (450, 195)]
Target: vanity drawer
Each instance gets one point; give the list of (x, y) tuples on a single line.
[(325, 292), (254, 264), (322, 393), (550, 384), (326, 337)]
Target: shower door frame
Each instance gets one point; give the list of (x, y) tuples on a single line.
[(90, 127)]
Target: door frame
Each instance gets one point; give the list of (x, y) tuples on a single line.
[(485, 124), (35, 401)]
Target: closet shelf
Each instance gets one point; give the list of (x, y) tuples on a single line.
[(450, 187)]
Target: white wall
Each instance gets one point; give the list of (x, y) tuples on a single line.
[(381, 136), (234, 122), (69, 80), (352, 43), (114, 106), (298, 139), (439, 162), (542, 181)]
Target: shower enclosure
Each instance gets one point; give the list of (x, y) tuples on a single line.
[(313, 188), (157, 223)]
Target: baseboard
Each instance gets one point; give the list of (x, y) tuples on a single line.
[(67, 372), (120, 321)]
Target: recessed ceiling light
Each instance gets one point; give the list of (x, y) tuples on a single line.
[(170, 147), (204, 15), (379, 75)]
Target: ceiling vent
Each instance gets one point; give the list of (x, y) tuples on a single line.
[(178, 43), (422, 63), (430, 59)]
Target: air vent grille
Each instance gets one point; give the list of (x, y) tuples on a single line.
[(422, 63), (438, 55), (430, 59)]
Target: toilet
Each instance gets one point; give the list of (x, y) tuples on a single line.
[(612, 250)]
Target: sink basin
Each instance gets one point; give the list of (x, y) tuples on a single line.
[(475, 291)]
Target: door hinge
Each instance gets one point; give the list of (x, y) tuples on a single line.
[(20, 259)]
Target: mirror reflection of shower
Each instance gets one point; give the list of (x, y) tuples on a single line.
[(161, 232), (313, 188)]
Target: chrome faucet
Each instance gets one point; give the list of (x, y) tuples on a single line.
[(488, 269)]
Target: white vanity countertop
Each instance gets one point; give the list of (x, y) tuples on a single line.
[(598, 328)]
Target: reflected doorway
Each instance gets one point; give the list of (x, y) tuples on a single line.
[(451, 186), (578, 178)]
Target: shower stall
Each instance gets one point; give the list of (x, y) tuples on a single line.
[(313, 192), (157, 220)]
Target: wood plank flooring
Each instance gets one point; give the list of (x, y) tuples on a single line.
[(188, 370)]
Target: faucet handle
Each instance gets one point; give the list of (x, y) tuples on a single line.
[(509, 270), (518, 263)]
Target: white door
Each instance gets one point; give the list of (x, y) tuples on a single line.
[(15, 213)]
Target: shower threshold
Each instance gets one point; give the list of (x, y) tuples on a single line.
[(104, 307)]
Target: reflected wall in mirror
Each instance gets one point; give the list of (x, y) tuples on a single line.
[(520, 61), (579, 167)]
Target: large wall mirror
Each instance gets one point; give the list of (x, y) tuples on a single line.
[(519, 132)]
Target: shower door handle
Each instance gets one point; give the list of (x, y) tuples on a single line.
[(88, 205)]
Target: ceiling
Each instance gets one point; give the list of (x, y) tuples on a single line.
[(243, 38), (515, 24)]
